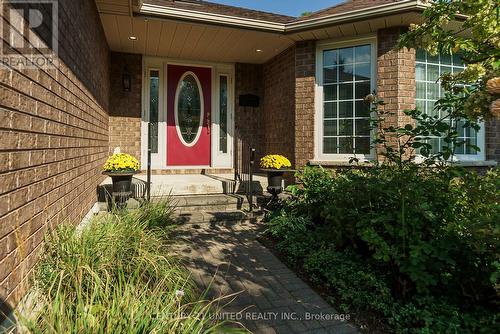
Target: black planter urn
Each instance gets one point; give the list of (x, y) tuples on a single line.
[(122, 187), (274, 181)]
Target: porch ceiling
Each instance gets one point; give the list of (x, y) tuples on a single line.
[(191, 41), (177, 37)]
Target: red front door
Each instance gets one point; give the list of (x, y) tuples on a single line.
[(189, 92)]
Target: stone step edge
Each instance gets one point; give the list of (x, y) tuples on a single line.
[(216, 216)]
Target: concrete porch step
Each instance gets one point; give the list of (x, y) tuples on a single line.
[(215, 217), (199, 203), (186, 184), (217, 202)]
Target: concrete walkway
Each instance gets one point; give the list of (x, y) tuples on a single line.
[(271, 299)]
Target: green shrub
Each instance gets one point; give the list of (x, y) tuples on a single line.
[(293, 234), (313, 192), (352, 279), (285, 226), (115, 276), (430, 228), (419, 246)]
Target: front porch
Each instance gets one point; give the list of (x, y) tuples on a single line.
[(192, 184), (192, 192)]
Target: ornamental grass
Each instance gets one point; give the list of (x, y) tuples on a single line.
[(116, 276)]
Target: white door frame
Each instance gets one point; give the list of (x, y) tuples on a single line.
[(159, 160)]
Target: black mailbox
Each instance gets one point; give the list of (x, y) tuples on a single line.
[(249, 100)]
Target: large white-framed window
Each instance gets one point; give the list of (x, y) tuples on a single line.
[(428, 70), (345, 74)]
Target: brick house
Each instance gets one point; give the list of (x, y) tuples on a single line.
[(210, 78)]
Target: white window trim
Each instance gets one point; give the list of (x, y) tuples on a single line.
[(481, 143), (480, 137), (157, 159), (318, 118), (221, 159)]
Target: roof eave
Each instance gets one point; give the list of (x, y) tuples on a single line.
[(356, 15), (284, 28), (210, 18)]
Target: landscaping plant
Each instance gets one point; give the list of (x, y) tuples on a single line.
[(117, 276), (411, 242), (417, 247), (121, 162), (274, 161)]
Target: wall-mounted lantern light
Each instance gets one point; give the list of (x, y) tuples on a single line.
[(126, 80)]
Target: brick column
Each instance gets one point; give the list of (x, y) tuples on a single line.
[(125, 107), (248, 120), (492, 139), (305, 79), (395, 76), (279, 103)]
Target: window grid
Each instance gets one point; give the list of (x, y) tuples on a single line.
[(223, 85), (154, 93), (428, 90), (346, 81)]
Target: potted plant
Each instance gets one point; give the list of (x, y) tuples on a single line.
[(121, 167), (275, 166)]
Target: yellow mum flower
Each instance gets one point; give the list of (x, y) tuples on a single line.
[(274, 161), (121, 162)]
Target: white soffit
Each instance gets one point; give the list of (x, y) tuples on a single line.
[(191, 41)]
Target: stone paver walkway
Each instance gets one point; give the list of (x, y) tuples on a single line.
[(270, 298)]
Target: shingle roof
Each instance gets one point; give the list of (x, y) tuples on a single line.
[(220, 9), (345, 7), (215, 8)]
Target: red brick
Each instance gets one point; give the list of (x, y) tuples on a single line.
[(80, 87)]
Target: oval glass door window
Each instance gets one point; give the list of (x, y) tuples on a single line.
[(189, 109)]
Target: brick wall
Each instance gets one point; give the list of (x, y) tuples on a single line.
[(125, 107), (279, 105), (285, 122), (247, 120), (395, 77), (493, 140), (54, 140), (305, 79)]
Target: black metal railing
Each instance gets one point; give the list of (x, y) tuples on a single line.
[(245, 160)]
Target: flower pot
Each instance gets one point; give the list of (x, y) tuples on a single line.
[(275, 180), (122, 187)]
